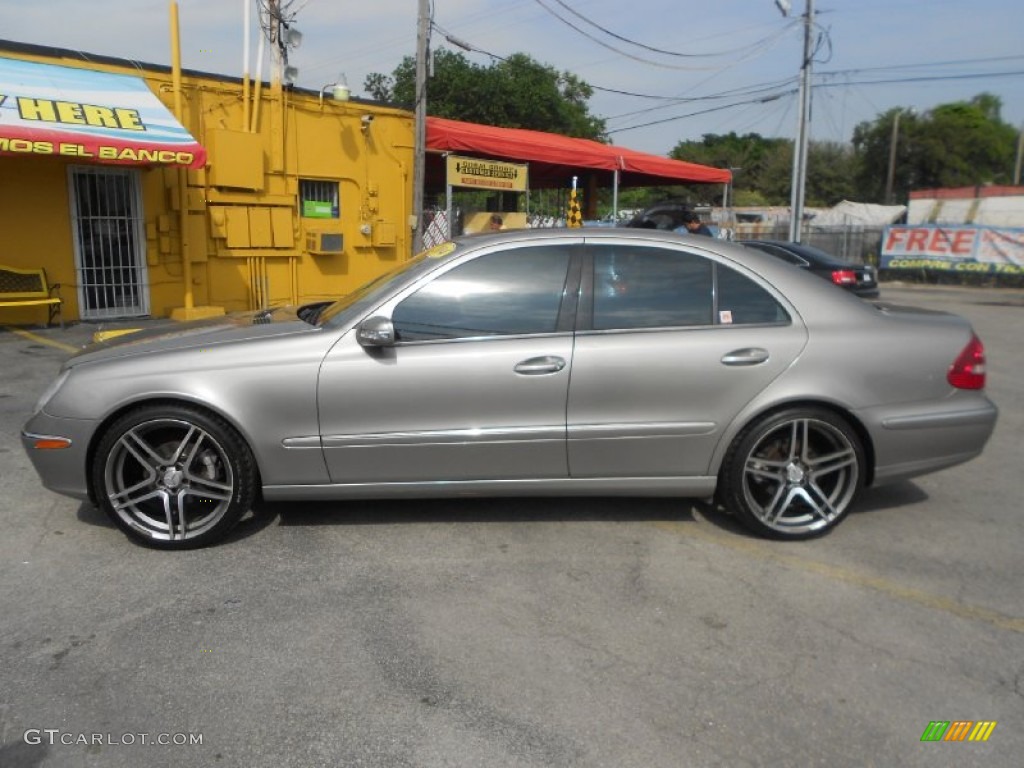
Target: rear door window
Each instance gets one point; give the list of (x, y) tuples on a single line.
[(636, 287), (741, 301), (641, 287)]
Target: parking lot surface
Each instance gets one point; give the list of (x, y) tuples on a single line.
[(521, 632)]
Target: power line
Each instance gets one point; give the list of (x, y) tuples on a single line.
[(820, 85), (764, 100), (922, 79), (823, 79), (617, 36), (948, 63), (769, 86), (744, 91), (674, 100), (628, 55)]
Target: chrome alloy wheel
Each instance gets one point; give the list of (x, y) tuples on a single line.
[(800, 476), (168, 480)]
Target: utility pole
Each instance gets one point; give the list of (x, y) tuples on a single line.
[(179, 113), (1020, 152), (420, 157), (890, 175), (802, 132), (274, 34)]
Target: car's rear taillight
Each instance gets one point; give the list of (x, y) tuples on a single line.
[(844, 276), (968, 370)]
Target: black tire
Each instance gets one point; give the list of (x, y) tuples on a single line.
[(173, 476), (793, 474)]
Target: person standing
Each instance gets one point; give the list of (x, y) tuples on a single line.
[(693, 225)]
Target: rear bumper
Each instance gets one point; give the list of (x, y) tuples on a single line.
[(915, 441)]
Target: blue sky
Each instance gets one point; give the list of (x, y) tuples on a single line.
[(735, 51)]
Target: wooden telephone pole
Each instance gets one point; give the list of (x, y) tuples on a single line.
[(419, 160), (803, 130)]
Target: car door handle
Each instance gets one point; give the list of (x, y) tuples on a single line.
[(540, 365), (748, 356)]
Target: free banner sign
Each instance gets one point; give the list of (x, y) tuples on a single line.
[(957, 248)]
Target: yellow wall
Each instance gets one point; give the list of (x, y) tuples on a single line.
[(35, 223), (246, 239)]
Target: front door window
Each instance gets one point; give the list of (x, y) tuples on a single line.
[(507, 293)]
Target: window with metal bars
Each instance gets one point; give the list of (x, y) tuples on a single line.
[(318, 199), (109, 249)]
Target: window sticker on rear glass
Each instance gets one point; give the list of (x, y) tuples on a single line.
[(725, 316)]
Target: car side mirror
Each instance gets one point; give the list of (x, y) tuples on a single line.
[(376, 332)]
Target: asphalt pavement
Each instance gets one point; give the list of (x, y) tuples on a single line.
[(521, 632)]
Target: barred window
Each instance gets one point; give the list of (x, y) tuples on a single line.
[(318, 199)]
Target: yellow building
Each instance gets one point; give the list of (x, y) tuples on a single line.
[(300, 196)]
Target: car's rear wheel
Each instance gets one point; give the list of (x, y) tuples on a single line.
[(793, 474), (173, 476)]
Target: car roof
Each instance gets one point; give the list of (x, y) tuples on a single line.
[(768, 267), (813, 299), (734, 251)]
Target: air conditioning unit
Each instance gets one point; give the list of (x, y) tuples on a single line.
[(325, 242)]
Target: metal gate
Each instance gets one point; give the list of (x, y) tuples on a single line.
[(106, 211)]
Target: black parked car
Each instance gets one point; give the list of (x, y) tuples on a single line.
[(666, 215), (861, 279)]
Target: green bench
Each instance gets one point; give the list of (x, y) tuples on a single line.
[(28, 288)]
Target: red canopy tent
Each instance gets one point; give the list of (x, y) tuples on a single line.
[(555, 159)]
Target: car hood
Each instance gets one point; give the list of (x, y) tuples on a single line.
[(236, 327)]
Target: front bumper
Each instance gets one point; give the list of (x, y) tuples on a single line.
[(63, 470)]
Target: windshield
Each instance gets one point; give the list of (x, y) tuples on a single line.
[(366, 291)]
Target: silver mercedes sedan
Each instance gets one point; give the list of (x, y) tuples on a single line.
[(535, 363)]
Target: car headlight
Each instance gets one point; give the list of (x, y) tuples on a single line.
[(51, 390)]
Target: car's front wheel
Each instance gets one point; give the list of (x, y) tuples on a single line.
[(173, 476), (793, 474)]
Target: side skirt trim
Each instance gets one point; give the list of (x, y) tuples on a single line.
[(690, 487)]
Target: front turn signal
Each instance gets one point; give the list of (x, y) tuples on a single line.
[(51, 443)]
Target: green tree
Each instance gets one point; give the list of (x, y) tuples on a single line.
[(517, 92), (765, 168), (832, 169), (960, 144), (750, 154)]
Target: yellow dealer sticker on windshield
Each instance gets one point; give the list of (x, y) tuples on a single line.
[(440, 251)]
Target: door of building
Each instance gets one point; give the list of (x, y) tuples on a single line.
[(110, 259)]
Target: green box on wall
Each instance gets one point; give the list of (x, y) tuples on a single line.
[(318, 209)]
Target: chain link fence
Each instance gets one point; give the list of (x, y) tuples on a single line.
[(856, 244)]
